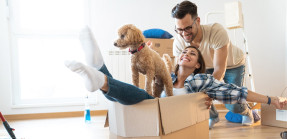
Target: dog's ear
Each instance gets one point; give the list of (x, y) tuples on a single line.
[(135, 35)]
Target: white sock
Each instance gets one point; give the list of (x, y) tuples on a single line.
[(94, 79), (93, 54)]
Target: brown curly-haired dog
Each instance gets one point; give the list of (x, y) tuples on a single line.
[(146, 61)]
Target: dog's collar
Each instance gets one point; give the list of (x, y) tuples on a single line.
[(137, 50)]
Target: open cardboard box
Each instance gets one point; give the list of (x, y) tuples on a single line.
[(273, 117), (162, 46), (176, 117)]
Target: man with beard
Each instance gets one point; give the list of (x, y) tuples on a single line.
[(223, 60)]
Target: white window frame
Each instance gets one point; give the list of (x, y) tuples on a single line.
[(17, 102)]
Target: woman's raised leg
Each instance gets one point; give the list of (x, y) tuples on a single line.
[(116, 90)]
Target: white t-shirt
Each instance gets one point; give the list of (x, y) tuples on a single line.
[(176, 92), (214, 37)]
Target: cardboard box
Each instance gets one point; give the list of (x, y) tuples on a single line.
[(162, 46), (273, 117), (176, 117)]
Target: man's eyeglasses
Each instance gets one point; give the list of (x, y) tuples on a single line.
[(187, 29)]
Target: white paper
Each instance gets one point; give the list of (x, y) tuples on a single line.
[(281, 115)]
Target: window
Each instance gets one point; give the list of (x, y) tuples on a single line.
[(44, 34)]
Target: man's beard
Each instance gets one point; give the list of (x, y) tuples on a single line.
[(192, 38)]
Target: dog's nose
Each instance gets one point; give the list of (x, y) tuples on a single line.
[(115, 44)]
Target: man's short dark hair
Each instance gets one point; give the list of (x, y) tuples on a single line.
[(186, 7)]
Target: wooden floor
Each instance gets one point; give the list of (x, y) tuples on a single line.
[(75, 128), (228, 130)]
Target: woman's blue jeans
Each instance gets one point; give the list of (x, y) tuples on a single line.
[(235, 76), (123, 93)]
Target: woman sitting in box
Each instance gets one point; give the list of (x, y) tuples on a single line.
[(189, 77)]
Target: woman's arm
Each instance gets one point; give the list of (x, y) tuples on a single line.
[(230, 93), (278, 102)]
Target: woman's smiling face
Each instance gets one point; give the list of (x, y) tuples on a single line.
[(189, 58)]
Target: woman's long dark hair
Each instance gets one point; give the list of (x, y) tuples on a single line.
[(200, 61)]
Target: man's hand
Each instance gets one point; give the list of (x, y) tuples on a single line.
[(208, 102)]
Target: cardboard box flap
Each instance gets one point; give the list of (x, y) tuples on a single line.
[(201, 108), (190, 109), (141, 119)]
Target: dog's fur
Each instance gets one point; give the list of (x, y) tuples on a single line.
[(146, 61)]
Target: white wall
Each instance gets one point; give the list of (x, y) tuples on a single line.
[(265, 27)]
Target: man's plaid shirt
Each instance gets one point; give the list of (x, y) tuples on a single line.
[(223, 92)]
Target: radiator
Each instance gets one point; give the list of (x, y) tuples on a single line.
[(119, 65)]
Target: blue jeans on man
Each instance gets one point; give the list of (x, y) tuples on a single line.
[(235, 76)]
